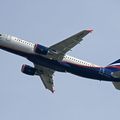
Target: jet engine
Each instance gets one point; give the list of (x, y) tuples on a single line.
[(40, 49), (26, 69)]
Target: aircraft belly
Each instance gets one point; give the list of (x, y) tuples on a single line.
[(89, 72), (42, 61), (84, 72)]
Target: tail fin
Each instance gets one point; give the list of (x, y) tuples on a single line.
[(116, 74), (117, 62)]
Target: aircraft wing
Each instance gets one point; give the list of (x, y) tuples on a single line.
[(116, 75), (58, 50), (46, 76), (116, 85)]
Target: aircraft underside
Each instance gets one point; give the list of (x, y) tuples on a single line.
[(47, 60), (83, 71)]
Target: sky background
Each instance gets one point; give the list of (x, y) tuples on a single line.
[(47, 22)]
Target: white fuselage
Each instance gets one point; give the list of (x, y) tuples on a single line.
[(16, 44), (28, 47)]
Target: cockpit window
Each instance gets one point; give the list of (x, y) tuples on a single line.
[(0, 34)]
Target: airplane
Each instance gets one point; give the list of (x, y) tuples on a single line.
[(47, 60)]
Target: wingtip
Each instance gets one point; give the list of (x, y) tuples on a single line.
[(53, 91), (90, 30)]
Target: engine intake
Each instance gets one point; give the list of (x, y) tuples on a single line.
[(40, 49), (26, 69)]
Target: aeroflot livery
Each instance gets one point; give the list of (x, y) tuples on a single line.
[(47, 60)]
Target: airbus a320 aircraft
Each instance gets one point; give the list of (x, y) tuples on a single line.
[(47, 60)]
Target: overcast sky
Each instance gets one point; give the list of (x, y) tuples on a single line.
[(47, 22)]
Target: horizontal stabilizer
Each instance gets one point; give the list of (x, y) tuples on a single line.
[(116, 74), (116, 85)]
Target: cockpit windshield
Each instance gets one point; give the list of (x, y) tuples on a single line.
[(0, 34)]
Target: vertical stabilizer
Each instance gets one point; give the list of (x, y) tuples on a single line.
[(117, 62)]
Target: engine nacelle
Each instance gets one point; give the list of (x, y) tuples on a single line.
[(40, 49), (26, 69)]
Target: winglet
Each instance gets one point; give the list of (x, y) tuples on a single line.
[(89, 30), (53, 89)]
